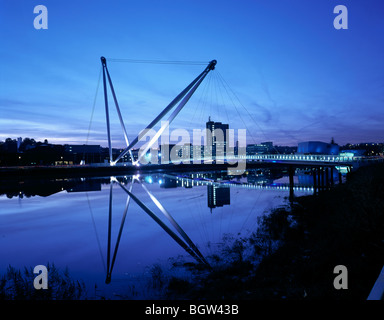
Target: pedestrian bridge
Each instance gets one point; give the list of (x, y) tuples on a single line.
[(177, 104), (310, 158)]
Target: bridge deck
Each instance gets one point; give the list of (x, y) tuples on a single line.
[(293, 159)]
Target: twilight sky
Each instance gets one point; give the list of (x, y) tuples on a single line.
[(295, 77)]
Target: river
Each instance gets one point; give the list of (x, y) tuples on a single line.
[(80, 224)]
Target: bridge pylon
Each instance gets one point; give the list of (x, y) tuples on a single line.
[(180, 101)]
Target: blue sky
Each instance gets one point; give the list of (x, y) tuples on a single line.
[(295, 76)]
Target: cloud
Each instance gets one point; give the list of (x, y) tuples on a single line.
[(41, 130)]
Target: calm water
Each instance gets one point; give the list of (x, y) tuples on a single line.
[(75, 223)]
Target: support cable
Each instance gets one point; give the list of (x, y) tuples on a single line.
[(93, 106), (109, 271), (97, 235), (227, 89), (93, 111), (180, 62), (170, 119), (249, 114), (119, 113), (109, 228)]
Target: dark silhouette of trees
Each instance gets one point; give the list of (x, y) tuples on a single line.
[(29, 152)]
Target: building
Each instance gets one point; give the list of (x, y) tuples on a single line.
[(216, 138), (218, 196), (268, 145), (317, 147), (253, 149), (166, 155), (264, 147), (190, 152), (352, 153), (187, 152), (78, 152), (367, 149)]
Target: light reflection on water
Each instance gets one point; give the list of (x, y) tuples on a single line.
[(67, 221)]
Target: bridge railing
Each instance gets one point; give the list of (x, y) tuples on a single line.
[(323, 158), (311, 158), (302, 157)]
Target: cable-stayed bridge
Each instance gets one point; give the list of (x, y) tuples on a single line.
[(175, 107)]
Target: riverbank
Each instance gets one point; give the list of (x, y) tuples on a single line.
[(296, 248)]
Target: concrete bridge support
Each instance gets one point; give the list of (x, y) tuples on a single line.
[(322, 178)]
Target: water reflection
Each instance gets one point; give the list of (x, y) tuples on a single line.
[(187, 244), (47, 187), (218, 196), (216, 181), (178, 203)]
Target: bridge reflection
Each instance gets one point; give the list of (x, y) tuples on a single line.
[(218, 194), (262, 179), (183, 240), (217, 183)]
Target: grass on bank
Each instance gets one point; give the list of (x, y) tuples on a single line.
[(17, 284)]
